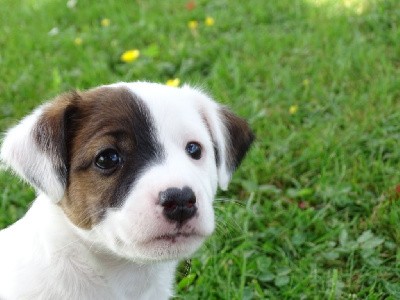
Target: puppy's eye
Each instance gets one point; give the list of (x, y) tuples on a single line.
[(108, 159), (194, 150)]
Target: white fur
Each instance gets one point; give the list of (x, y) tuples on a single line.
[(45, 256), (21, 153)]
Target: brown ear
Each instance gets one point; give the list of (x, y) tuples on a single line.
[(230, 134), (232, 138), (36, 148), (50, 132), (238, 136)]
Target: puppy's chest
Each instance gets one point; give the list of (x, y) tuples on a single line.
[(85, 280)]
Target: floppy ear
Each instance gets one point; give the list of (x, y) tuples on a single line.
[(237, 139), (231, 136), (36, 148)]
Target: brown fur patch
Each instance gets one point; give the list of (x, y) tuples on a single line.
[(49, 133), (80, 126)]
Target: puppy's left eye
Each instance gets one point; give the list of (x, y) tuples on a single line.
[(194, 150), (108, 159)]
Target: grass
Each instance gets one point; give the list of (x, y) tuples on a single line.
[(314, 210)]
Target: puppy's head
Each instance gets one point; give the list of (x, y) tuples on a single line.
[(134, 166)]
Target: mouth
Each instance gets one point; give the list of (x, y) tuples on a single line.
[(178, 237), (171, 245)]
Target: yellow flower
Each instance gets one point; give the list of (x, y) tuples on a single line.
[(293, 109), (78, 41), (130, 55), (209, 21), (193, 24), (306, 82), (173, 82), (105, 22)]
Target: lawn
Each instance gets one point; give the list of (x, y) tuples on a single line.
[(314, 210)]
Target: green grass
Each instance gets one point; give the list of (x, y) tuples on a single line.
[(313, 211)]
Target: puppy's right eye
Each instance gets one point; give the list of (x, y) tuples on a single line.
[(108, 159)]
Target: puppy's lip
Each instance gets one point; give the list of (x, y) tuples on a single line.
[(176, 236)]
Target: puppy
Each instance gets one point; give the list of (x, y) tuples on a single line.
[(125, 175)]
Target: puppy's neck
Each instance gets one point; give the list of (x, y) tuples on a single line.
[(56, 238)]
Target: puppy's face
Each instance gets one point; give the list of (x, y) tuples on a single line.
[(134, 167)]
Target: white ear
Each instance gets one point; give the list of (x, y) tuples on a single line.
[(34, 149), (230, 134)]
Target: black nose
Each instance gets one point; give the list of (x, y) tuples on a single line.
[(179, 204)]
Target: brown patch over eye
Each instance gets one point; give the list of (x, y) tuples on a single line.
[(111, 139)]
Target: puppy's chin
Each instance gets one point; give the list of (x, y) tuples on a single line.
[(165, 248), (158, 250), (153, 248)]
